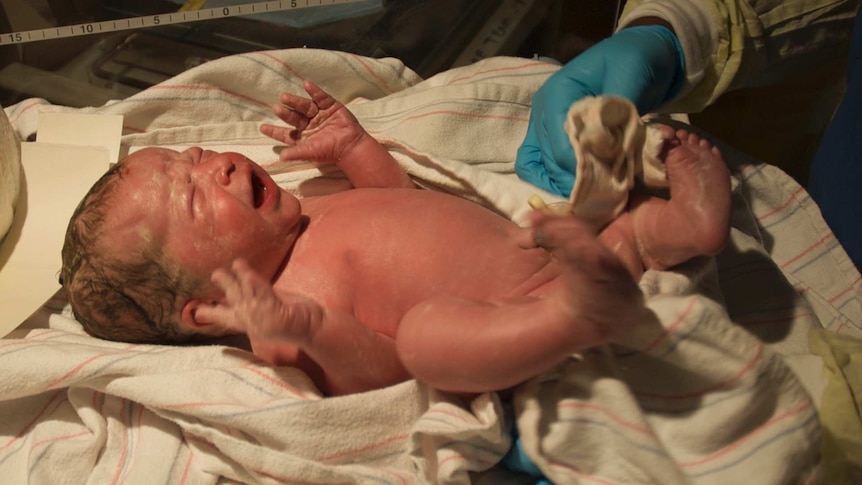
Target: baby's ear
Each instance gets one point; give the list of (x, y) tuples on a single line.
[(190, 319)]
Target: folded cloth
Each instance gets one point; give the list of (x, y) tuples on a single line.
[(613, 147)]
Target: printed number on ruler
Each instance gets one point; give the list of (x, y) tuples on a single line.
[(178, 17)]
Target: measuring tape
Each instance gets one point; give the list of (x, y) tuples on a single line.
[(179, 17)]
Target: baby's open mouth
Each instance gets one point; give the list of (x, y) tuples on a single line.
[(258, 189)]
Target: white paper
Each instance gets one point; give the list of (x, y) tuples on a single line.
[(82, 130), (57, 175)]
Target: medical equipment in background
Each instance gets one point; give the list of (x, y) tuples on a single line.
[(429, 36)]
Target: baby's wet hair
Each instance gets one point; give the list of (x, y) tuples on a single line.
[(128, 299)]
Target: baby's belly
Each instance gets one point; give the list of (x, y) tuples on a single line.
[(419, 245)]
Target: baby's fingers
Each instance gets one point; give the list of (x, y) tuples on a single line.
[(296, 118), (283, 134), (239, 282), (319, 97), (227, 281), (296, 112), (575, 242), (556, 232), (251, 283), (295, 108), (220, 315)]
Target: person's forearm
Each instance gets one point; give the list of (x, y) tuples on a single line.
[(651, 21), (741, 43), (371, 165), (694, 27)]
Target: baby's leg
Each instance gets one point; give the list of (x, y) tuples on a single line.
[(619, 237), (696, 219), (464, 345)]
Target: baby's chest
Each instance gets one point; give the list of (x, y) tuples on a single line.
[(379, 267), (379, 289)]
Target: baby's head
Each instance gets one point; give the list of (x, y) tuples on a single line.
[(142, 244), (116, 296)]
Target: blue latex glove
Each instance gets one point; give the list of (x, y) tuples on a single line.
[(644, 64), (516, 460)]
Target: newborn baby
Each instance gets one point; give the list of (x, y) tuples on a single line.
[(375, 285)]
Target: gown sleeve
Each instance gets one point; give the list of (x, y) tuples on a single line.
[(737, 43)]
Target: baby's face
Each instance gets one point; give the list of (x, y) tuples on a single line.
[(205, 208)]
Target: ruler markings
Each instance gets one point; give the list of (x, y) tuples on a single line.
[(156, 20)]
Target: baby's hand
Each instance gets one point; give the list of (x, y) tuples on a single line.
[(251, 306), (324, 129), (598, 290)]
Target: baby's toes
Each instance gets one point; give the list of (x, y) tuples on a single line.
[(688, 138), (666, 132)]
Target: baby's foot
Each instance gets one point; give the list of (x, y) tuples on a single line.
[(696, 219), (324, 130)]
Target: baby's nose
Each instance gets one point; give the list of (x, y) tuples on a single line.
[(194, 152), (222, 167)]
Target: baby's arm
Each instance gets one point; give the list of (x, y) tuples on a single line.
[(326, 131), (353, 357)]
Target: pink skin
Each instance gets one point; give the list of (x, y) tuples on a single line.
[(659, 233), (696, 219), (251, 298), (205, 209), (324, 131), (463, 299)]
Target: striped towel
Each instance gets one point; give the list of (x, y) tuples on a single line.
[(703, 392)]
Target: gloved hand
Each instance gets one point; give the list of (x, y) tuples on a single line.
[(644, 64), (516, 460)]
